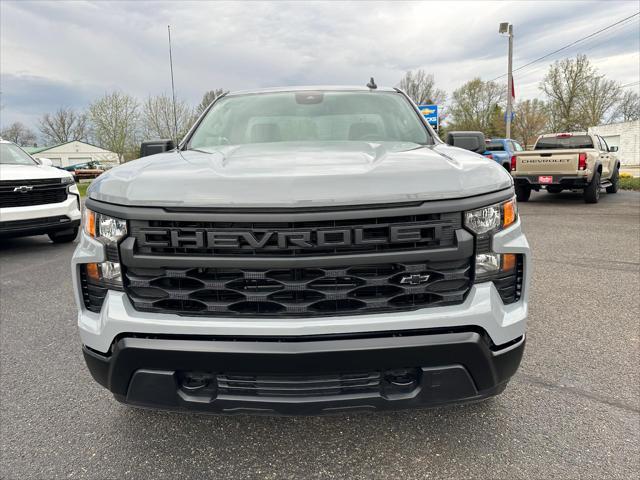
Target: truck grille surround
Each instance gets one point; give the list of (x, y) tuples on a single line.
[(372, 283), (24, 193)]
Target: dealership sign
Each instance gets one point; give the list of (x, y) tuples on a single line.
[(430, 112)]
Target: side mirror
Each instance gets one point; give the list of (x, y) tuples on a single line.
[(151, 147), (613, 149), (473, 141), (44, 162)]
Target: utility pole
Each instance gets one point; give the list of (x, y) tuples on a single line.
[(508, 29)]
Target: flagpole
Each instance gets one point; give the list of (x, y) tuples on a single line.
[(510, 90)]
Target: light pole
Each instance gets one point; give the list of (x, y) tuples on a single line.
[(507, 28)]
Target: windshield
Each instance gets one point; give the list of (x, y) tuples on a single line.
[(558, 143), (310, 116), (495, 147), (11, 154)]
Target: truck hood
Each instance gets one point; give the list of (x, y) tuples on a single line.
[(30, 172), (292, 174)]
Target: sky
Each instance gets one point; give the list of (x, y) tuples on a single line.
[(65, 54)]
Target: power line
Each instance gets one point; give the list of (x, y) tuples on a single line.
[(571, 44), (630, 84)]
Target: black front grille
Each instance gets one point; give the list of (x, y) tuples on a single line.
[(299, 291), (298, 386), (23, 193), (332, 237)]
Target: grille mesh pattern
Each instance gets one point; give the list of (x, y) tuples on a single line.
[(152, 237), (299, 291), (298, 386), (47, 190)]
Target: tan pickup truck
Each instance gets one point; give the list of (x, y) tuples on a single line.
[(566, 161)]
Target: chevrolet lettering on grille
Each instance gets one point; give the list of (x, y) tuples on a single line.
[(307, 239)]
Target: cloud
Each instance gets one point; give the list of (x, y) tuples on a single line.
[(66, 53)]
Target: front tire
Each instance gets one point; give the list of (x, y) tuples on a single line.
[(592, 192), (615, 182), (523, 192), (65, 236)]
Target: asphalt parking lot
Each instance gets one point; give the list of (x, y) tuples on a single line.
[(572, 411)]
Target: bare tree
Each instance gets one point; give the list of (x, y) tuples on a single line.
[(158, 120), (473, 105), (421, 88), (115, 118), (530, 120), (63, 126), (565, 85), (207, 99), (628, 107), (598, 101), (19, 134)]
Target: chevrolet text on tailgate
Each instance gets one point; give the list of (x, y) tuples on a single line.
[(567, 161), (303, 250)]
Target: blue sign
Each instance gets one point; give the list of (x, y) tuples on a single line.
[(430, 112)]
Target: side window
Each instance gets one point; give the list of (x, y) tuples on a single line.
[(518, 147), (600, 143), (605, 147)]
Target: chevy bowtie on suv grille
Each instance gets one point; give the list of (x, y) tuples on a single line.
[(315, 254)]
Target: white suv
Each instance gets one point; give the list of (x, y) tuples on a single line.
[(36, 198)]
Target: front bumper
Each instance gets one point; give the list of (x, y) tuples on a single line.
[(39, 219), (306, 376), (457, 353)]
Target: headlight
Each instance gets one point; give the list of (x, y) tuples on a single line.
[(103, 227), (67, 180), (98, 278), (492, 218), (503, 269)]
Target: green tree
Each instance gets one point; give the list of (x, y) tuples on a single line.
[(530, 120), (207, 99), (115, 117), (628, 107), (157, 119), (473, 106), (565, 86)]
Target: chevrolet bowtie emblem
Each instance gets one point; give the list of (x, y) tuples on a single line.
[(415, 279), (23, 188)]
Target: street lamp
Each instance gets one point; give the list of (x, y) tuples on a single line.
[(507, 28)]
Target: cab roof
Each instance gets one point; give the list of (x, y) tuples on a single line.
[(314, 88)]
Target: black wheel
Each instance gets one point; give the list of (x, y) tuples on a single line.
[(65, 236), (592, 192), (507, 166), (553, 189), (523, 192), (615, 182)]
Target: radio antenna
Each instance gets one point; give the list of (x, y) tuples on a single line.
[(173, 91)]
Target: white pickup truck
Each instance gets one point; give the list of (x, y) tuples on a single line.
[(566, 161)]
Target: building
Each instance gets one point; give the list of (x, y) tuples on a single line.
[(71, 153), (625, 136)]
